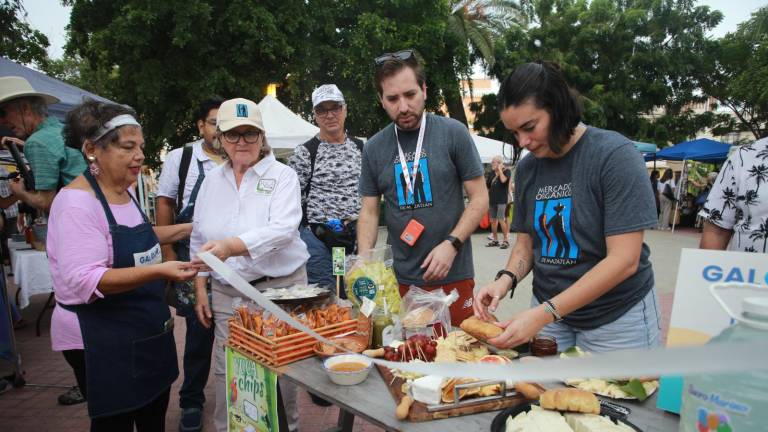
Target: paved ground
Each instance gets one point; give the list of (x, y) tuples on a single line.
[(34, 406)]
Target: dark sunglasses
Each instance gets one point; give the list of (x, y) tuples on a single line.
[(403, 55), (322, 111), (250, 137)]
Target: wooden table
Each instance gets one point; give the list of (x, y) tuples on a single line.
[(371, 400)]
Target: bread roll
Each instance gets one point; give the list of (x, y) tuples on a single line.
[(570, 399), (529, 391), (480, 329)]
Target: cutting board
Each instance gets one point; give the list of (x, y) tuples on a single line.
[(419, 413)]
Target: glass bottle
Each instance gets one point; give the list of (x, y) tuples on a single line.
[(381, 320)]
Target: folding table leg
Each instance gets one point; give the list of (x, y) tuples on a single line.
[(48, 305), (345, 423)]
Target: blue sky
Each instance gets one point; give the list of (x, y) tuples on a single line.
[(50, 17)]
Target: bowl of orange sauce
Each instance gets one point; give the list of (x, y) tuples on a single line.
[(348, 369)]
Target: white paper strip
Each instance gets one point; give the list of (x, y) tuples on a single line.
[(712, 358)]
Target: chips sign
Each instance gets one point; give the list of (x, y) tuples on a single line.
[(251, 395), (339, 261)]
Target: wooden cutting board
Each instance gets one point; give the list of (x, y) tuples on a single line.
[(419, 413)]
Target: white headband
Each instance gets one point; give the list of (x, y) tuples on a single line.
[(116, 122)]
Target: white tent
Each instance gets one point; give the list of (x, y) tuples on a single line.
[(488, 148), (285, 129)]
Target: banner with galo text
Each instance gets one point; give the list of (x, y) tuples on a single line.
[(696, 315)]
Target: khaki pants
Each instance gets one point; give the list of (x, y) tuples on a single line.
[(667, 206), (222, 312)]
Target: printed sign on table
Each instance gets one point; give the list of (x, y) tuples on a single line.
[(696, 315), (251, 395), (339, 261)]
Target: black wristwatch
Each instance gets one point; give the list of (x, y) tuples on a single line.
[(514, 280), (455, 242)]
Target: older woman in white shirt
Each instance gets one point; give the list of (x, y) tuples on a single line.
[(247, 214)]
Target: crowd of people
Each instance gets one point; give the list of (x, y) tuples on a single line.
[(582, 201)]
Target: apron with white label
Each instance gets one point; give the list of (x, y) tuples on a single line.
[(130, 352)]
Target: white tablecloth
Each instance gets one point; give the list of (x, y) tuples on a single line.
[(30, 271)]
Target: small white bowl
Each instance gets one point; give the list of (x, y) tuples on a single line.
[(348, 378)]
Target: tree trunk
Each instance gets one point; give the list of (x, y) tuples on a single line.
[(455, 105)]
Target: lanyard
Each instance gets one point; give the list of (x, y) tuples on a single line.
[(410, 181)]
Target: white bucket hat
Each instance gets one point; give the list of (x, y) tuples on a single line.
[(14, 87)]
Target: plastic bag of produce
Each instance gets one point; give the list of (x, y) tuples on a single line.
[(371, 275), (427, 312)]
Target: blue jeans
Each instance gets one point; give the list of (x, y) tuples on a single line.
[(319, 265), (639, 327), (197, 362)]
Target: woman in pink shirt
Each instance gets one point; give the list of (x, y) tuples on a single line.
[(109, 276)]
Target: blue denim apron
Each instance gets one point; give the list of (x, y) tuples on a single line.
[(185, 291), (130, 352)]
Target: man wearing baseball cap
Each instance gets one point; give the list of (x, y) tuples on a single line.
[(328, 167), (54, 165)]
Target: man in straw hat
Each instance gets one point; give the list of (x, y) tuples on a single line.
[(25, 112)]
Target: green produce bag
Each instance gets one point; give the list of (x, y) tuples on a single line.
[(371, 275)]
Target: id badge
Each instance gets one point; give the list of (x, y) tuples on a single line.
[(412, 232)]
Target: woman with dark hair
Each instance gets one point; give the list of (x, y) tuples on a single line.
[(666, 192), (107, 268), (582, 203), (655, 188)]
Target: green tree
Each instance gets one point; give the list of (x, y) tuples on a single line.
[(77, 71), (19, 41), (635, 62), (475, 24), (163, 58), (343, 39), (738, 78)]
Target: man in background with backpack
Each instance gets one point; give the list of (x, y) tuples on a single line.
[(183, 173), (328, 167)]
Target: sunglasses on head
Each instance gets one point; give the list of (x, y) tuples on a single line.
[(403, 55)]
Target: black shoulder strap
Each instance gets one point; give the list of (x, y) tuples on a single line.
[(312, 146), (186, 159), (359, 143)]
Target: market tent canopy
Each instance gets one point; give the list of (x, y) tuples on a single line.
[(645, 148), (69, 95), (701, 150), (285, 129)]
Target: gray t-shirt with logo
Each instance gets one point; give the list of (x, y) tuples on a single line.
[(571, 204), (448, 158)]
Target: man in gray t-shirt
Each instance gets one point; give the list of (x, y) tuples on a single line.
[(432, 197)]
